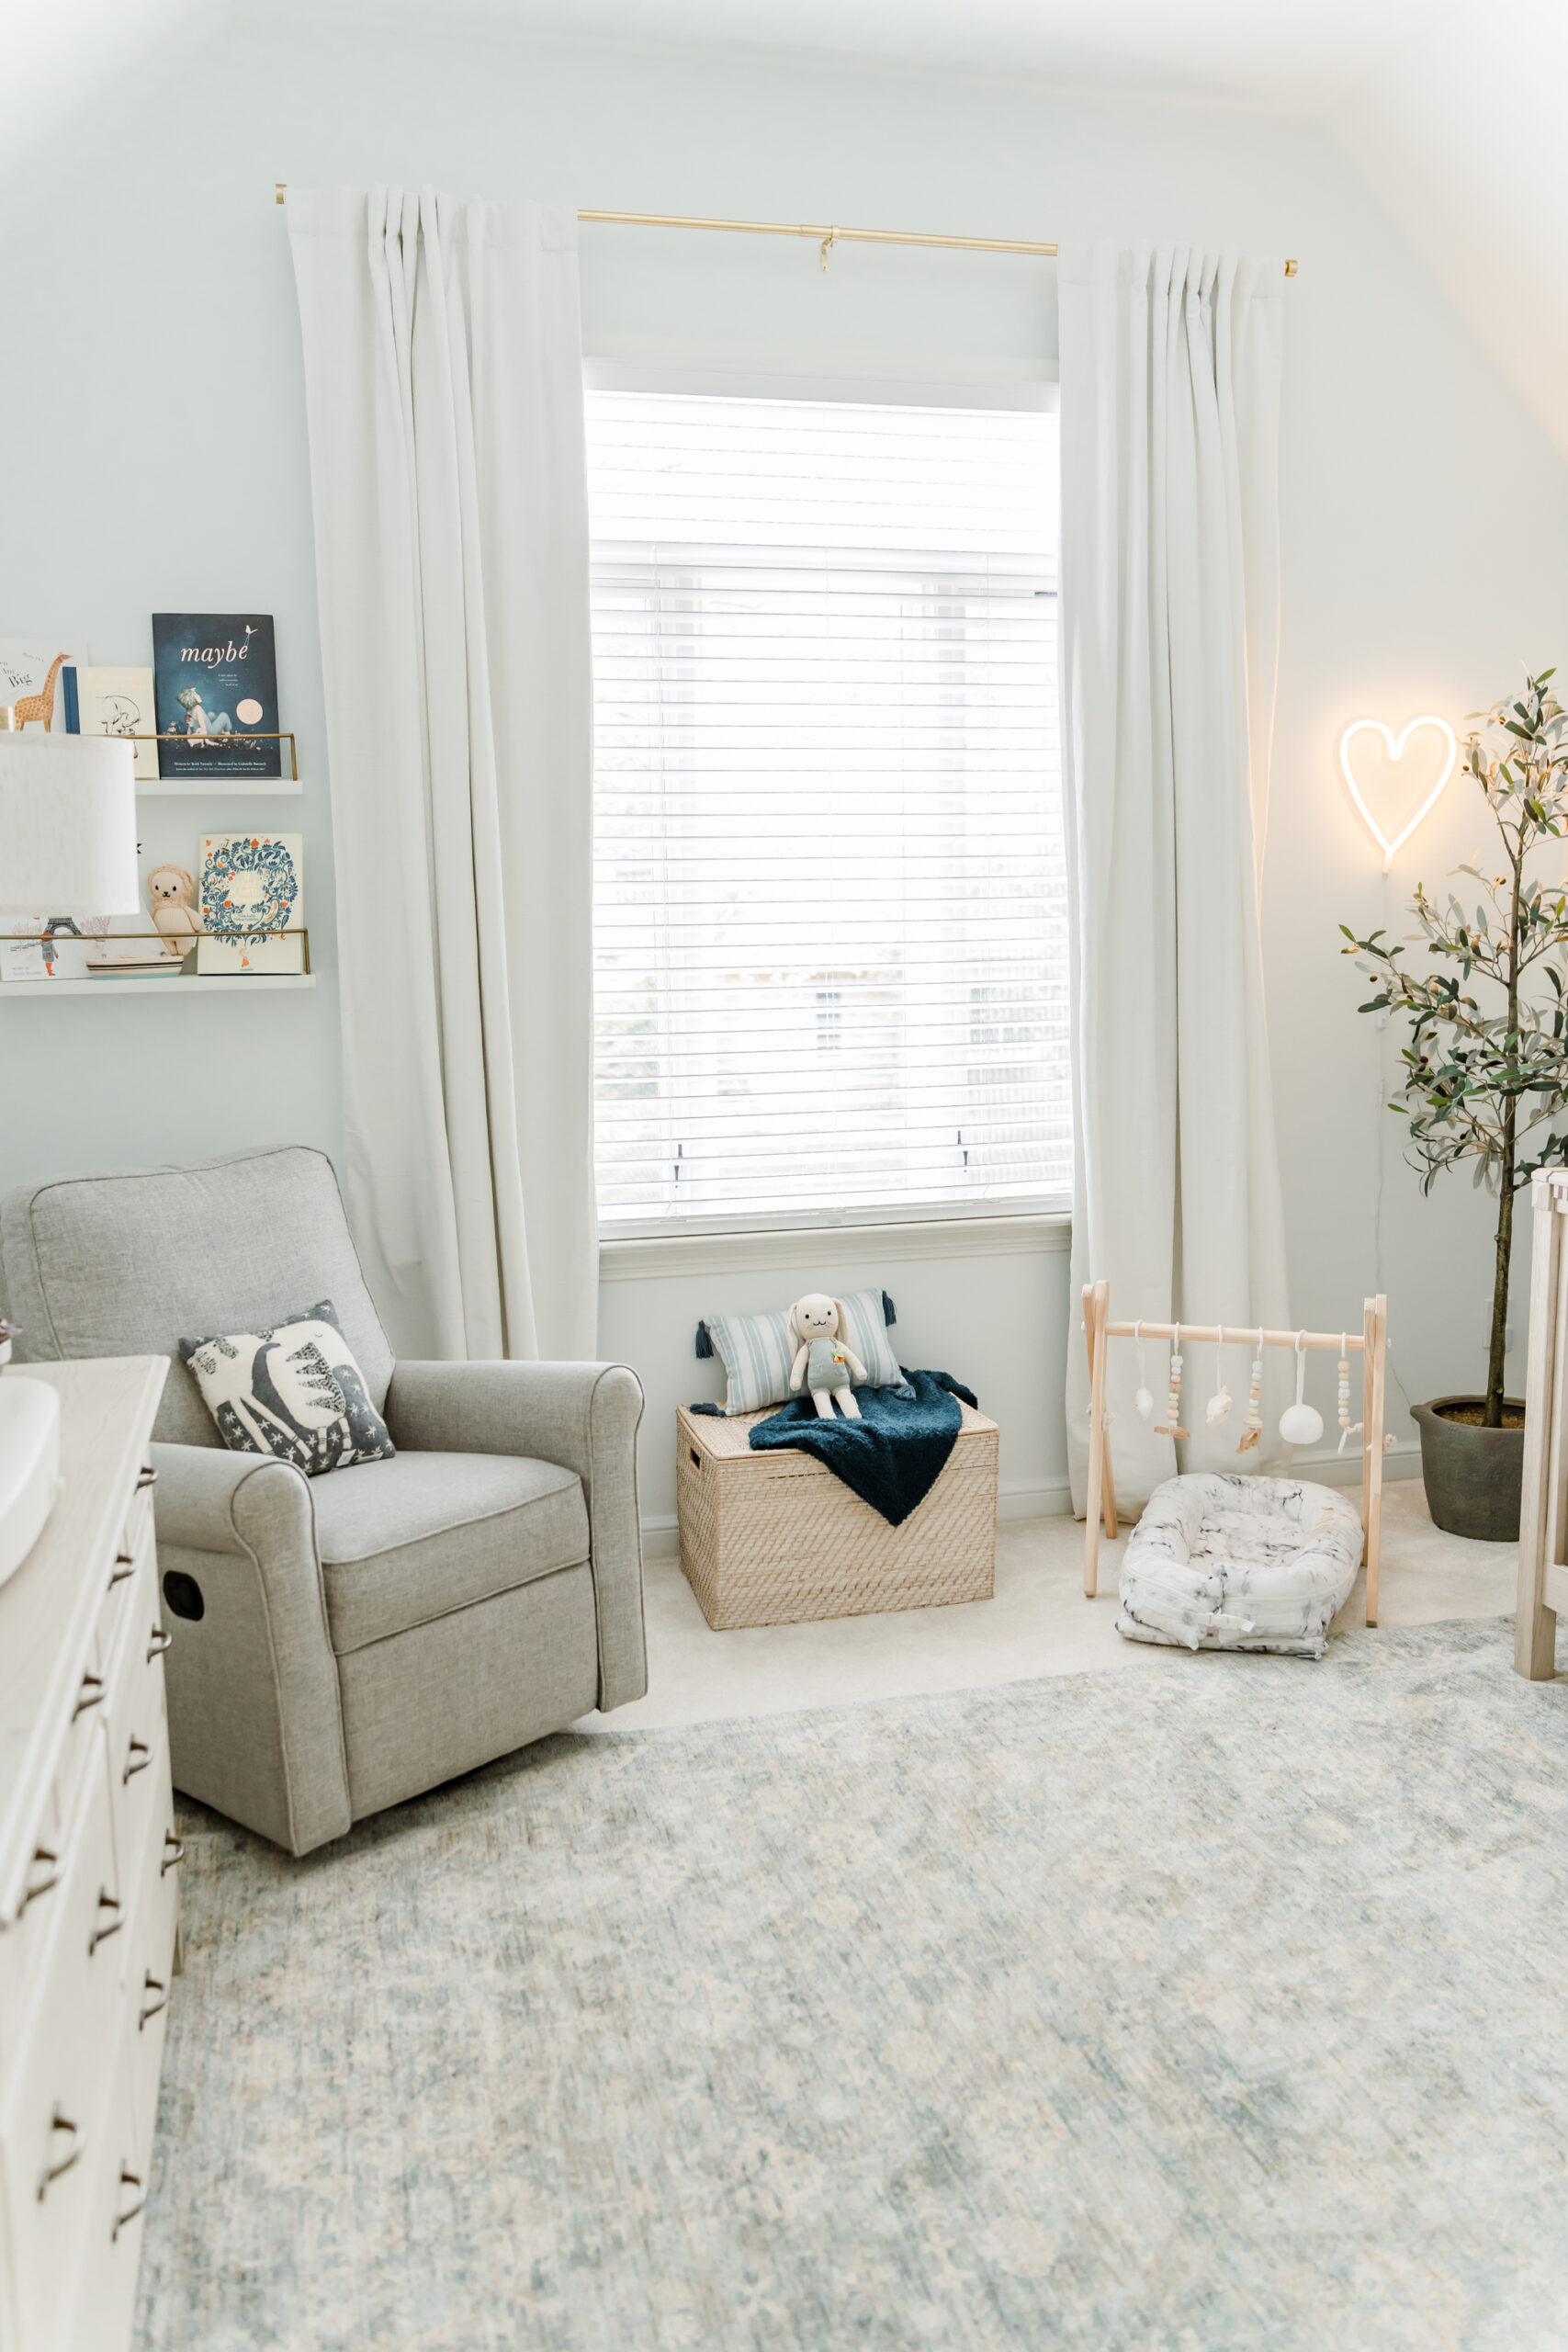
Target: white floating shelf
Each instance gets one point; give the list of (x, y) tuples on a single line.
[(193, 986), (214, 787)]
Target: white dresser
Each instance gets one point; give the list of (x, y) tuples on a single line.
[(87, 1876)]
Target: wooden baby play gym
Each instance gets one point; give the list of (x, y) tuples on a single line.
[(1370, 1343)]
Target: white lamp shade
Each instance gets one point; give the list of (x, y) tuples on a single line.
[(68, 825)]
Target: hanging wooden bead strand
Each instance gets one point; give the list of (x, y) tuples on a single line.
[(1347, 1428), (1171, 1425), (1252, 1427)]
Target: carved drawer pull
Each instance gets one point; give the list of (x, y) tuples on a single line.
[(149, 1477), (152, 1984), (51, 2172), (157, 1643), (106, 1902), (90, 1695), (40, 1886), (124, 1567), (174, 1851), (138, 1748), (127, 2179)]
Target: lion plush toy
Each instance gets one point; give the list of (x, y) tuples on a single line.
[(169, 891), (824, 1359)]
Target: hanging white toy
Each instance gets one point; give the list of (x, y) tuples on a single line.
[(1218, 1405), (1171, 1425), (1299, 1423), (1252, 1427), (1143, 1400)]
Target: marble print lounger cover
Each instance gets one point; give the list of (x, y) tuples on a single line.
[(1221, 1562)]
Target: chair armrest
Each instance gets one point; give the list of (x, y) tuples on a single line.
[(253, 1685), (582, 1416), (211, 1500)]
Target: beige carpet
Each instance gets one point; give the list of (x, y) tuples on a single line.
[(1038, 1623)]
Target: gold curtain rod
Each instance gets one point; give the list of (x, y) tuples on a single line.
[(826, 234)]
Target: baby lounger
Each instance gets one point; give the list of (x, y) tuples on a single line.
[(1226, 1563)]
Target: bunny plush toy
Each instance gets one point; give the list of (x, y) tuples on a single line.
[(824, 1360)]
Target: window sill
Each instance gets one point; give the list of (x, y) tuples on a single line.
[(740, 1253)]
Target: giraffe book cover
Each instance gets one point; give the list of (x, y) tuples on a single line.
[(33, 681), (215, 681)]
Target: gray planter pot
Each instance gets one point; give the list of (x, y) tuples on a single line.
[(1472, 1474)]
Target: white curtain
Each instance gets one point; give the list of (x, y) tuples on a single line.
[(1170, 366), (444, 390)]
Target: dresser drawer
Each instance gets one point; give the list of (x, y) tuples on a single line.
[(149, 1982), (56, 2102), (23, 1941), (137, 1722), (105, 2290), (139, 1773), (88, 1705), (128, 1577)]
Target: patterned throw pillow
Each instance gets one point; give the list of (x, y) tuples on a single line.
[(756, 1350), (294, 1391)]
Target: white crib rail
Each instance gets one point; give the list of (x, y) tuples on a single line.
[(1543, 1581)]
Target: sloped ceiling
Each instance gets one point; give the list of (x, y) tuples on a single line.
[(1452, 109), (1461, 135), (1290, 55)]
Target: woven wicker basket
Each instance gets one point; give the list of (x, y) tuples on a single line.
[(773, 1539)]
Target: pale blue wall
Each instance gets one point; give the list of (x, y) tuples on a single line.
[(152, 442)]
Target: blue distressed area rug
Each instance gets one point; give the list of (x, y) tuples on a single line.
[(1209, 2009)]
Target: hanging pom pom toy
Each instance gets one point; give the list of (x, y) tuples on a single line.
[(1171, 1425), (1299, 1424), (1347, 1428), (1218, 1403), (1252, 1427), (1143, 1400)]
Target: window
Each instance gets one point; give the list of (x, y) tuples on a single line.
[(830, 895)]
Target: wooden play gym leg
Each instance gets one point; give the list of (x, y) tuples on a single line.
[(1535, 1625), (1374, 1339), (1101, 1495)]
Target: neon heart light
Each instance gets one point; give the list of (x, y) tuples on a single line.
[(1395, 752)]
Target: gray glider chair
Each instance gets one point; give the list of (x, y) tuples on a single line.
[(364, 1634)]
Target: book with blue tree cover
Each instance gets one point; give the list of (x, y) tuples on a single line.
[(215, 681), (251, 903)]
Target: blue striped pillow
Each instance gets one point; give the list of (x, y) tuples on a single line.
[(756, 1350)]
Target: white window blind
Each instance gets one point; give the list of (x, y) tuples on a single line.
[(830, 912)]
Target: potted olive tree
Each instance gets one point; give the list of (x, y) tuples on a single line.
[(1486, 1069)]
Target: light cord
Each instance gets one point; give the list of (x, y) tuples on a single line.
[(1389, 1365)]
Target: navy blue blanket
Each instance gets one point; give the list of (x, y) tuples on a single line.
[(894, 1454)]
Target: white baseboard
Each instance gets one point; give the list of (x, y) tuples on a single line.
[(661, 1538), (1403, 1460), (1053, 1497), (1034, 1499)]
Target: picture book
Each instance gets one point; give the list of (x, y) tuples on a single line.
[(56, 947), (250, 893), (120, 702), (215, 678), (32, 680)]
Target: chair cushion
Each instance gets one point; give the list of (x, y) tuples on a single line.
[(405, 1541), (127, 1265)]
